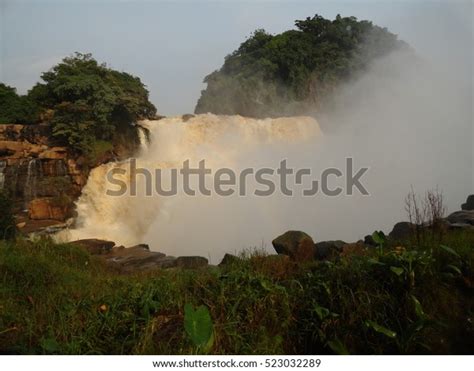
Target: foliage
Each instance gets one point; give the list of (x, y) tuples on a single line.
[(198, 326), (7, 221), (91, 102), (58, 299), (292, 72), (15, 109)]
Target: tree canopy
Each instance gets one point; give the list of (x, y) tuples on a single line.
[(87, 104), (289, 73), (91, 102), (14, 108)]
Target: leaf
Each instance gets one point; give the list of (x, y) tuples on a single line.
[(198, 326), (338, 347), (380, 329), (321, 312), (454, 268), (49, 345), (397, 270), (379, 237), (375, 262), (418, 308), (449, 250)]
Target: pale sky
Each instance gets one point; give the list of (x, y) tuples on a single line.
[(173, 45)]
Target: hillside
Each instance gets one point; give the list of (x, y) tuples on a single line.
[(294, 72)]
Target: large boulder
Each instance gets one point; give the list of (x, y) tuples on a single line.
[(469, 205), (296, 244), (402, 231), (94, 246), (461, 217), (191, 262), (328, 249)]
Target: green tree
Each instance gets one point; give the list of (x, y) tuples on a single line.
[(16, 109), (91, 102), (7, 221), (292, 72)]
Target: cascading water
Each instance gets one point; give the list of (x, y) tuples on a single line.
[(181, 224), (33, 174), (3, 166)]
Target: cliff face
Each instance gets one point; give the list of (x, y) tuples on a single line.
[(43, 180)]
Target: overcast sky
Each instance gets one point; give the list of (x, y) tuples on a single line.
[(172, 45)]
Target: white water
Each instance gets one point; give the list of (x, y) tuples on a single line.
[(411, 123), (197, 225)]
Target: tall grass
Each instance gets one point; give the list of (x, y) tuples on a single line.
[(58, 299)]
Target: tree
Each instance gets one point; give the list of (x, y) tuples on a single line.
[(292, 72), (91, 102), (7, 221), (15, 109)]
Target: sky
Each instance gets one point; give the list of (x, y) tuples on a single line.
[(173, 45)]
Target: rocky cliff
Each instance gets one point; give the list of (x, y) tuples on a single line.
[(43, 180)]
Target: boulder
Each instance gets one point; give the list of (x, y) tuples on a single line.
[(402, 231), (94, 246), (354, 249), (228, 259), (191, 262), (46, 208), (369, 240), (469, 205), (296, 244), (328, 249), (186, 117), (461, 217), (54, 153)]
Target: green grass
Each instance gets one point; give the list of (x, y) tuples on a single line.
[(57, 299)]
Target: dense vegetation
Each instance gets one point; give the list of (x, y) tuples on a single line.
[(293, 72), (88, 105), (7, 221), (16, 109), (58, 299)]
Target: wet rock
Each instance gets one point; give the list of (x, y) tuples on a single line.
[(186, 117), (402, 231), (328, 249), (94, 246), (469, 204), (46, 208), (296, 244), (191, 262)]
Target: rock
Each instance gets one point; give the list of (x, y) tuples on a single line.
[(354, 249), (296, 244), (54, 153), (461, 217), (186, 117), (369, 240), (46, 208), (94, 246), (228, 259), (191, 262), (328, 249), (469, 205), (21, 225), (402, 231)]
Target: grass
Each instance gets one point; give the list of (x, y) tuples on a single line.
[(58, 299)]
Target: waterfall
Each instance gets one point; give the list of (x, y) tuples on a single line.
[(223, 141), (33, 174), (3, 166)]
